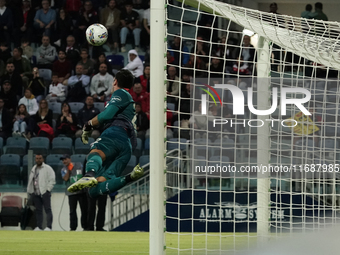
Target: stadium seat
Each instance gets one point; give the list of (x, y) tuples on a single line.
[(40, 145), (11, 210), (1, 145), (16, 145), (142, 58), (10, 169), (171, 106), (116, 61), (53, 160), (143, 160), (46, 74), (100, 106), (56, 108), (175, 143), (138, 150), (24, 170), (78, 158), (80, 148), (62, 145), (75, 107), (146, 150), (132, 163)]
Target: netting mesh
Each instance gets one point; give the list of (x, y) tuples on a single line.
[(214, 163)]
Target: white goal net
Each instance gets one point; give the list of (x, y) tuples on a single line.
[(252, 111)]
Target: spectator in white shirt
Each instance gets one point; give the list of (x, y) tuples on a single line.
[(101, 84), (78, 85), (56, 90), (29, 101), (135, 65)]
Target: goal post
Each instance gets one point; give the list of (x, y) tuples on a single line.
[(157, 127), (224, 175)]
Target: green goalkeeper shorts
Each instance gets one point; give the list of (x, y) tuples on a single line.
[(116, 145)]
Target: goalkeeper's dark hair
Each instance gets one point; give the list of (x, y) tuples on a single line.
[(125, 79)]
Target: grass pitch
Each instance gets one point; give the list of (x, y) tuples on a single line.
[(55, 242)]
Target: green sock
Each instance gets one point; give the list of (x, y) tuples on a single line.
[(107, 187)]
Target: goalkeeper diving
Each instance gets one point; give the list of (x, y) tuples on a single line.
[(111, 152)]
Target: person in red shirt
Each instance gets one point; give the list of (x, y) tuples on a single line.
[(145, 79), (141, 96), (63, 67)]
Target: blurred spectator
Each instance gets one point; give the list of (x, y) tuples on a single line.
[(9, 97), (196, 64), (46, 54), (199, 123), (202, 49), (130, 25), (72, 51), (29, 101), (78, 85), (185, 103), (36, 84), (240, 67), (102, 59), (44, 19), (26, 48), (14, 78), (169, 58), (87, 16), (318, 12), (135, 65), (56, 90), (179, 51), (84, 115), (145, 78), (64, 28), (247, 52), (5, 52), (6, 22), (23, 22), (101, 84), (66, 121), (72, 8), (172, 85), (40, 124), (40, 184), (273, 8), (140, 96), (145, 35), (216, 67), (22, 65), (307, 13), (72, 172), (2, 68), (110, 18), (20, 121), (87, 63), (142, 121), (5, 121), (63, 67), (99, 202)]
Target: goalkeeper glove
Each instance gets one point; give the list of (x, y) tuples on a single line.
[(87, 130)]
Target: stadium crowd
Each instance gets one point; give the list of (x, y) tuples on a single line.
[(45, 58)]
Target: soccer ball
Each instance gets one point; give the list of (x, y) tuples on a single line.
[(96, 34)]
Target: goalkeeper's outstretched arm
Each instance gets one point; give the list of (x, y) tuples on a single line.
[(105, 116)]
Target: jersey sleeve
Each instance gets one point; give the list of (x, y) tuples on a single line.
[(118, 102)]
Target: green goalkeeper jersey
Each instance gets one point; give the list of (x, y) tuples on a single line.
[(121, 105)]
